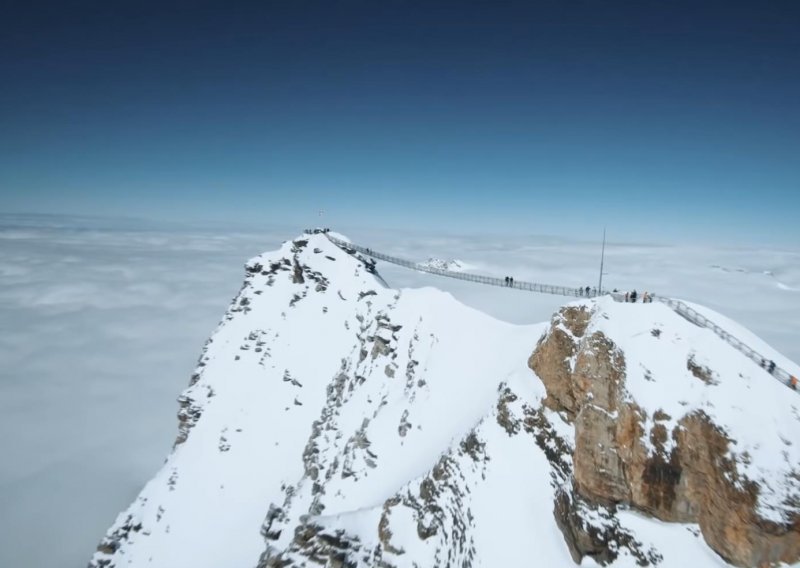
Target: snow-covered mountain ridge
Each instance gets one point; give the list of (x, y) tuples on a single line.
[(333, 420)]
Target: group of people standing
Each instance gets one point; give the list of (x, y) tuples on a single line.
[(770, 367), (633, 296), (509, 281), (590, 292)]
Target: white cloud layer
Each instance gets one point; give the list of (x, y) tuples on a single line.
[(100, 329)]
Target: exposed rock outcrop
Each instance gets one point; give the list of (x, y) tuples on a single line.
[(674, 470)]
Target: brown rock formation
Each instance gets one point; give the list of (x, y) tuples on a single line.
[(551, 359), (694, 481)]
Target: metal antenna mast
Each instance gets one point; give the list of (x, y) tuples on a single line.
[(602, 258)]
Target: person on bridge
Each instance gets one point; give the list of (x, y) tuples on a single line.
[(587, 290), (633, 296), (627, 297), (771, 367), (793, 382)]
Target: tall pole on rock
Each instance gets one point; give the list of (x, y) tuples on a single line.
[(602, 259)]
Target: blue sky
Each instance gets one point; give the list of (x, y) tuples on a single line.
[(668, 121)]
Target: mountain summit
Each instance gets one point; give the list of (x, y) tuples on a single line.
[(335, 421)]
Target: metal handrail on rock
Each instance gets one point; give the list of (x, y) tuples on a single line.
[(700, 320)]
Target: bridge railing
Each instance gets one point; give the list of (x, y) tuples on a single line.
[(702, 321), (489, 280), (679, 307)]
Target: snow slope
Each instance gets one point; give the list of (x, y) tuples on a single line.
[(264, 379), (331, 417)]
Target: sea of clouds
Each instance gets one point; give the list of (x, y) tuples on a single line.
[(102, 321)]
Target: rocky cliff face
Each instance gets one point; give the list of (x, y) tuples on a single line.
[(673, 455)]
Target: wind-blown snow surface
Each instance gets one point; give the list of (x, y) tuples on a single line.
[(324, 397)]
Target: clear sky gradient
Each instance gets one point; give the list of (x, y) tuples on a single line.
[(663, 120)]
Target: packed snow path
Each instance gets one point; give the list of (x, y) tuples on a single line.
[(680, 307)]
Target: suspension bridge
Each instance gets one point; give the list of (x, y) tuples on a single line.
[(681, 308)]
